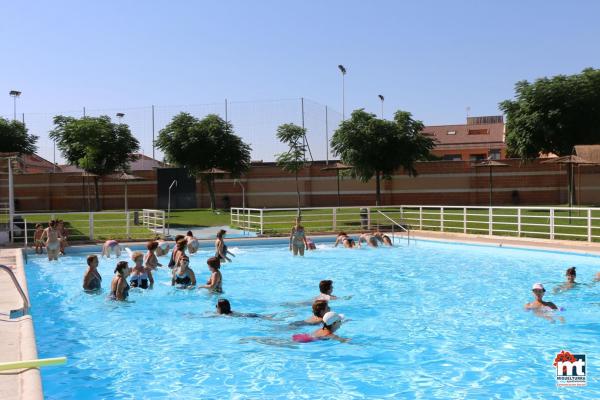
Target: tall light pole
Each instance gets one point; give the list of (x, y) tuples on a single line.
[(120, 115), (14, 94), (343, 71), (381, 98)]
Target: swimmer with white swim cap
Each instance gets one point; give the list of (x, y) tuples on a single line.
[(331, 323), (539, 304), (111, 246)]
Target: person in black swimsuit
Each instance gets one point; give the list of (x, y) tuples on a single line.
[(91, 279), (141, 276), (183, 276), (119, 289), (221, 251)]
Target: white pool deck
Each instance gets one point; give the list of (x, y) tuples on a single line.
[(17, 339)]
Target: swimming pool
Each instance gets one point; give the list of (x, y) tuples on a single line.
[(432, 320)]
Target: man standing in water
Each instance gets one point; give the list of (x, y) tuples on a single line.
[(53, 238)]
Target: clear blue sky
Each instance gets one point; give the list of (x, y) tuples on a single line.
[(432, 58)]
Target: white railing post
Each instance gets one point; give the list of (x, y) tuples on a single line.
[(464, 219), (25, 224), (91, 222), (127, 230), (441, 219), (261, 221), (519, 222), (368, 218), (420, 218), (589, 224), (552, 223), (490, 221), (334, 217)]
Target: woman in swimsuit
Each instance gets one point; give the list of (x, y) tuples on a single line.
[(37, 239), (224, 308), (178, 251), (383, 239), (119, 289), (571, 274), (91, 279), (298, 238), (52, 240), (539, 304), (140, 275), (192, 242), (220, 247), (111, 246), (345, 240), (64, 234), (150, 259), (162, 248), (215, 282), (331, 323), (183, 276)]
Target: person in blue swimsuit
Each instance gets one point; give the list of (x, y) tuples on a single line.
[(298, 238), (183, 276), (141, 276), (119, 289)]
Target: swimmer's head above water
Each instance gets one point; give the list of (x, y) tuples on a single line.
[(326, 286), (571, 274), (223, 307), (320, 308), (332, 321)]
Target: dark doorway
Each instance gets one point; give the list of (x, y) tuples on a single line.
[(183, 195)]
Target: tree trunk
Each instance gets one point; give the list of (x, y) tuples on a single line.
[(377, 189), (96, 178), (298, 193), (209, 179)]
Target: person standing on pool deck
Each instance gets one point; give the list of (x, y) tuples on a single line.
[(220, 246), (119, 289), (215, 282), (141, 276), (52, 240), (92, 279), (183, 276), (539, 304), (331, 323), (150, 259), (571, 274), (298, 238)]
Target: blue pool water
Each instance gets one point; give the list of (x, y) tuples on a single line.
[(427, 321)]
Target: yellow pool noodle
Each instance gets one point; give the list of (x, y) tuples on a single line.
[(42, 362)]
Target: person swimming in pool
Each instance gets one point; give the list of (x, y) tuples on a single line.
[(111, 246), (326, 289), (539, 304), (150, 259), (345, 240), (215, 282), (571, 274), (162, 248), (319, 308), (92, 280), (183, 276), (141, 276), (298, 238), (221, 251), (331, 323), (119, 289), (383, 238), (192, 242), (368, 238), (52, 236), (223, 307)]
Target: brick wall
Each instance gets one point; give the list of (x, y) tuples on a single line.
[(438, 182)]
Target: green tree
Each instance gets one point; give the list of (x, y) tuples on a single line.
[(95, 145), (377, 147), (15, 139), (199, 145), (294, 159), (554, 114)]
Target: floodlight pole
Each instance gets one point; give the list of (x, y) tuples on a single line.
[(11, 199), (343, 71), (14, 94), (326, 138), (174, 183), (382, 99)]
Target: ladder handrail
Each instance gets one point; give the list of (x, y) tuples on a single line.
[(19, 289), (397, 224)]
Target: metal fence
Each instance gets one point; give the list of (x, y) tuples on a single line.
[(89, 226), (576, 223)]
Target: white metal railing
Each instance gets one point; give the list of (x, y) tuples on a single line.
[(84, 226), (395, 224), (577, 223), (25, 309)]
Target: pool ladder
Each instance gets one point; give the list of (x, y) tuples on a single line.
[(404, 228), (25, 310)]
